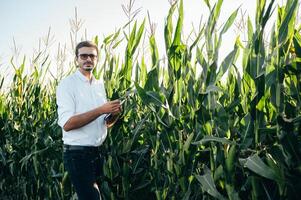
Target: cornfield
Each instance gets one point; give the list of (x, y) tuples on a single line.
[(182, 134)]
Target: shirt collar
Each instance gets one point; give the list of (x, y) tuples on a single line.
[(83, 78)]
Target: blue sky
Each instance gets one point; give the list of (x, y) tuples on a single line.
[(27, 21)]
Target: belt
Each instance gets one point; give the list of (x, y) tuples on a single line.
[(68, 147)]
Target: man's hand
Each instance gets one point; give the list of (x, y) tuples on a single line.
[(113, 107), (112, 117), (117, 113)]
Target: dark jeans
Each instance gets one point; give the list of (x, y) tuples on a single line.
[(84, 167)]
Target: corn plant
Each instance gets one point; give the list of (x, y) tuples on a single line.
[(182, 134)]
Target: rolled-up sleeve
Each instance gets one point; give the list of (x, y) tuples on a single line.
[(65, 102)]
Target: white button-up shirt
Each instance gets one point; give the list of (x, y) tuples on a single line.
[(76, 95)]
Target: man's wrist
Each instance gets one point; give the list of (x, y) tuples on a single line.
[(100, 111)]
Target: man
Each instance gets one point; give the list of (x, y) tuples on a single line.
[(82, 106)]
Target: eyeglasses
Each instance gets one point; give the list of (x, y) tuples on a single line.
[(85, 56)]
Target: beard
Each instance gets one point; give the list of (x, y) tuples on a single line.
[(88, 67)]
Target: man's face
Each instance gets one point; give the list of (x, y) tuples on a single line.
[(87, 58)]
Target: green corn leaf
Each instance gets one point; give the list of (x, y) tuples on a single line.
[(250, 30), (143, 73), (276, 168), (260, 5), (154, 50), (209, 138), (178, 31), (188, 142), (64, 179), (267, 14), (116, 35), (247, 135), (152, 81), (297, 44), (207, 2), (191, 94), (132, 38), (197, 39), (208, 185), (141, 92), (229, 22), (212, 88), (126, 36), (213, 17), (225, 28), (150, 97), (168, 28), (270, 79), (286, 28), (96, 40), (230, 164), (108, 39), (1, 82), (217, 9), (255, 164), (127, 148), (117, 44), (227, 63), (155, 98), (187, 194), (138, 37), (201, 60)]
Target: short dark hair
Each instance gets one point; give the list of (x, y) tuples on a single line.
[(85, 44)]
